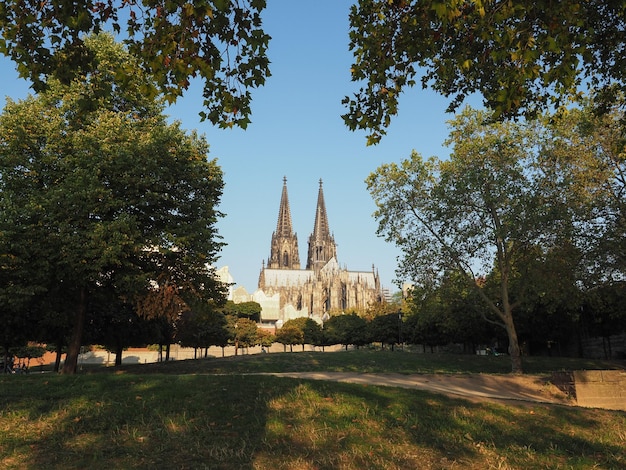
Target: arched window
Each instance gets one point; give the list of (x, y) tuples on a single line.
[(285, 259)]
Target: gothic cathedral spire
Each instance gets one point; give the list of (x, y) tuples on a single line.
[(322, 247), (284, 249)]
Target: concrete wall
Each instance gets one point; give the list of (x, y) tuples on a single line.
[(601, 389)]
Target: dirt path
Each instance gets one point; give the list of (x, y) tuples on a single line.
[(524, 388)]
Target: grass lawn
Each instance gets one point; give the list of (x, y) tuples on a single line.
[(210, 414)]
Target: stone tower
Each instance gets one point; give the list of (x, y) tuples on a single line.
[(284, 246), (322, 247)]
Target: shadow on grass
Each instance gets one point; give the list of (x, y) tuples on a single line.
[(367, 361), (357, 426), (173, 421), (134, 422)]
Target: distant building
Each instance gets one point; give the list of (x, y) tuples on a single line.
[(286, 291), (224, 276)]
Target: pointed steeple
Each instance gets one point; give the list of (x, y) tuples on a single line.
[(284, 249), (321, 243), (283, 226)]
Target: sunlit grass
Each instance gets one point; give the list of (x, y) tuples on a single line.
[(196, 420)]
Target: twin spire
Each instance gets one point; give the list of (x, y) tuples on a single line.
[(284, 249), (283, 226)]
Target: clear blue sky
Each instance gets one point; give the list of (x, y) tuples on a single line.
[(297, 132)]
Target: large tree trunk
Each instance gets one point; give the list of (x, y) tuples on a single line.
[(119, 350), (73, 348), (514, 349), (5, 359), (506, 315), (59, 353)]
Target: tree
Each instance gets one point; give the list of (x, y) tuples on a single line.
[(113, 323), (386, 329), (202, 326), (394, 305), (522, 56), (312, 331), (547, 289), (603, 236), (450, 312), (290, 334), (250, 310), (53, 312), (107, 191), (478, 212), (222, 42), (301, 330), (346, 329), (216, 330), (603, 313), (243, 332), (164, 304), (265, 338)]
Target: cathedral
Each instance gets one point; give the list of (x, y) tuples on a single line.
[(287, 291)]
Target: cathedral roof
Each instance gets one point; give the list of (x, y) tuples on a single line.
[(287, 277), (365, 278)]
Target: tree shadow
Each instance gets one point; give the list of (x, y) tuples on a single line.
[(122, 420)]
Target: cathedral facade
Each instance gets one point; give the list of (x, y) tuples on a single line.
[(287, 291)]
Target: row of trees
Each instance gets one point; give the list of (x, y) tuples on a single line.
[(547, 323), (116, 326), (347, 329)]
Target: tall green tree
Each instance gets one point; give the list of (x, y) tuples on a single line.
[(202, 326), (113, 323), (243, 332), (106, 191), (346, 329), (289, 334), (603, 236), (522, 56), (301, 330), (546, 286), (496, 199), (221, 42), (603, 313), (250, 310), (448, 311), (386, 329)]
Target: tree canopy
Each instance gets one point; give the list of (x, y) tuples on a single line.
[(509, 196), (98, 190), (221, 42), (522, 57)]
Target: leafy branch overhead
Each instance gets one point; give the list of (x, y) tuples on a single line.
[(523, 57), (221, 42)]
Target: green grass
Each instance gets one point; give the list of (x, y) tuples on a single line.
[(370, 361), (180, 416)]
